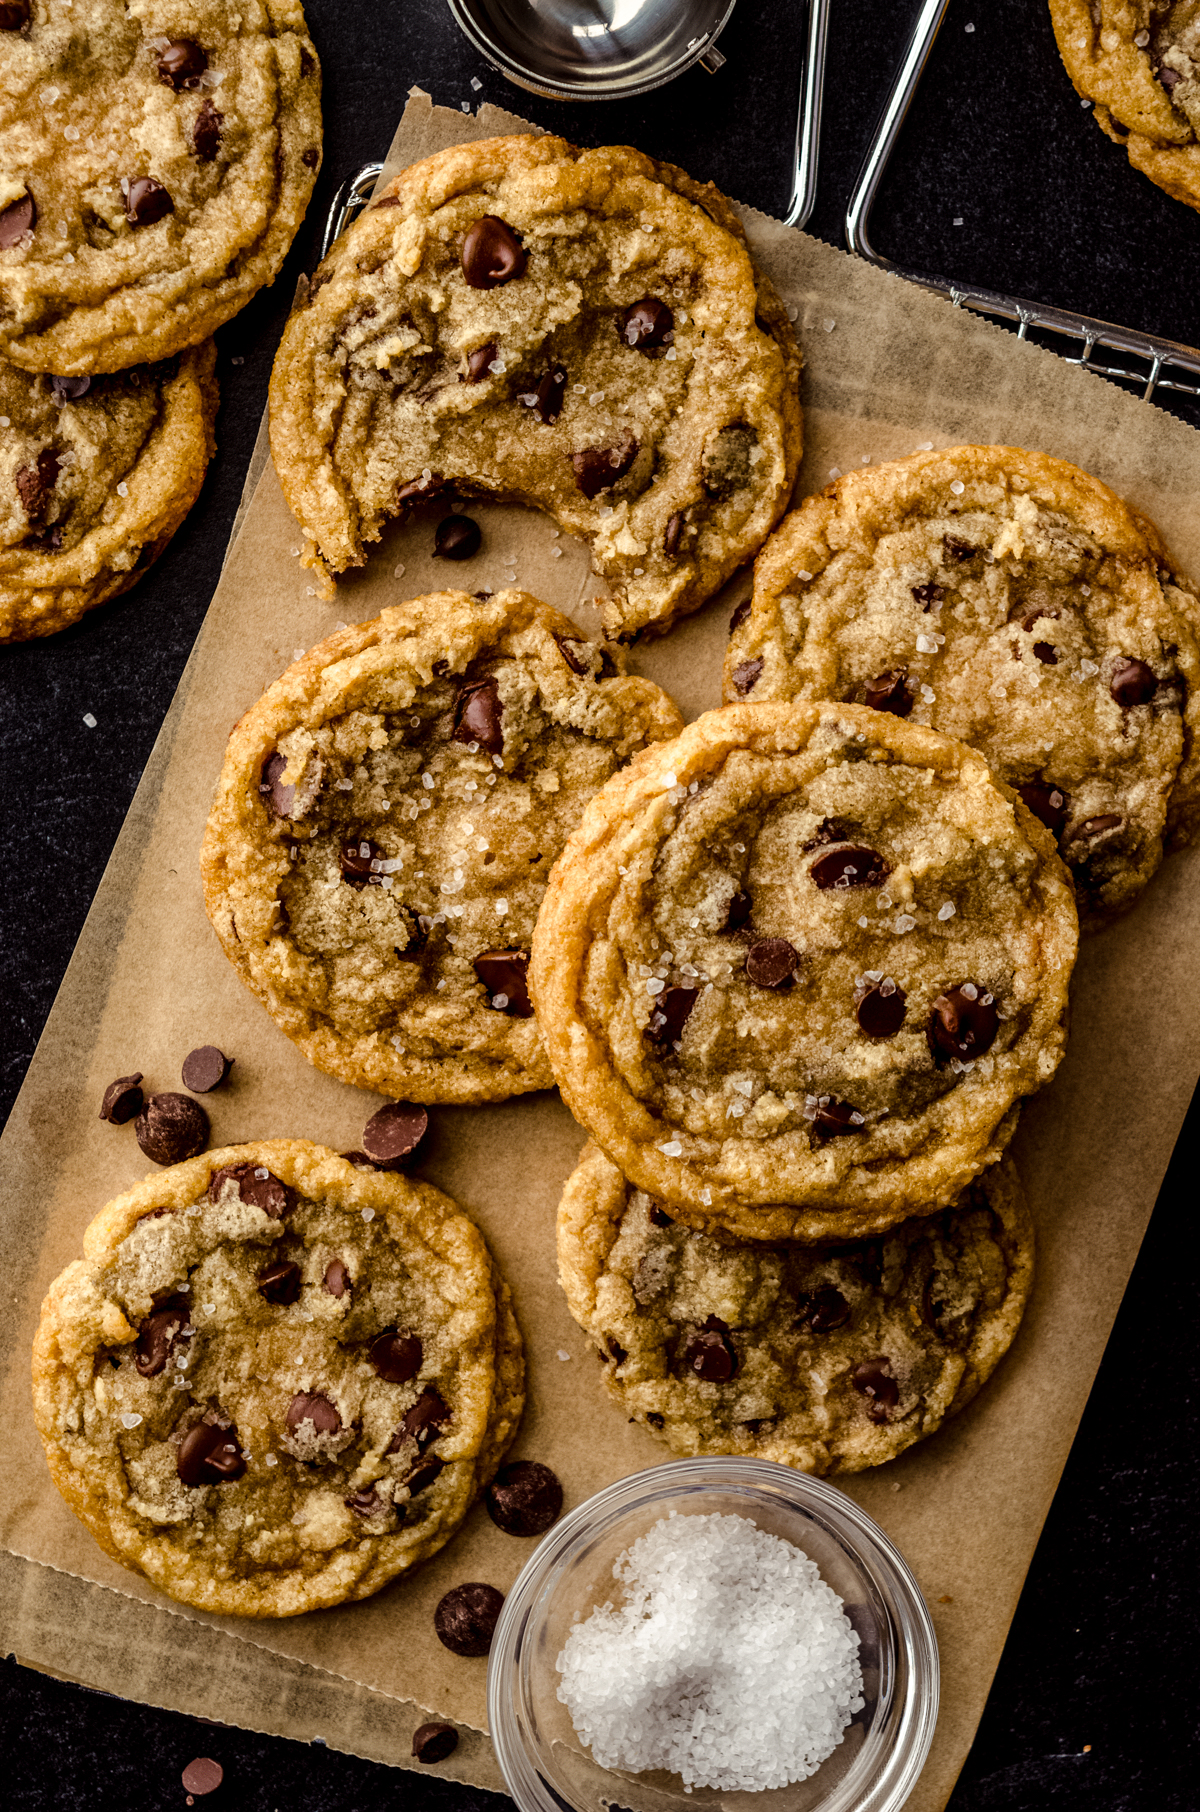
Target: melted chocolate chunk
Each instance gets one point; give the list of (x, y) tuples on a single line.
[(1047, 802), (355, 859), (337, 1278), (171, 1128), (276, 796), (673, 534), (504, 975), (597, 468), (928, 595), (1132, 683), (890, 691), (256, 1185), (205, 1069), (310, 158), (367, 1504), (457, 538), (654, 1419), (524, 1498), (855, 865), (393, 1133), (160, 1334), (1091, 828), (424, 1473), (492, 254), (182, 64), (423, 1422), (963, 1024), (771, 962), (280, 1283), (740, 613), (419, 490), (547, 394), (880, 1014), (648, 326), (36, 483), (873, 1378), (709, 1351), (146, 201), (17, 219), (746, 676), (479, 716), (396, 1356), (206, 131), (822, 1310), (479, 363), (834, 1119), (122, 1099), (70, 389), (572, 653), (311, 1406), (740, 908), (15, 15), (669, 1015), (616, 1352), (466, 1618), (659, 1217), (955, 551), (209, 1455), (434, 1742)]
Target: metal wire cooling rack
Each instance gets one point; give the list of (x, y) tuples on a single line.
[(1166, 361)]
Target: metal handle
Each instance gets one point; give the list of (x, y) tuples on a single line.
[(808, 118)]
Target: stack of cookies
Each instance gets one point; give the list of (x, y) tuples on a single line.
[(150, 184)]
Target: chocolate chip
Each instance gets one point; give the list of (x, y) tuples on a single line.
[(423, 1422), (307, 64), (955, 551), (310, 158), (337, 1278), (1095, 827), (822, 1310), (15, 15), (206, 131), (17, 219), (310, 1406), (890, 691), (740, 908), (670, 1014), (1132, 683), (466, 1618), (673, 534), (833, 1119), (396, 1356), (202, 1776), (1046, 653), (492, 254), (1047, 802), (572, 653), (880, 1014), (209, 1455), (257, 1185), (725, 466), (596, 468), (424, 1473), (1170, 78), (504, 973), (367, 1504), (171, 1128), (182, 64), (857, 865), (479, 715), (419, 490), (277, 797), (147, 201), (709, 1353), (479, 361), (929, 595), (359, 1159), (648, 325), (963, 1024), (524, 1498), (659, 1217), (35, 484), (616, 1352), (547, 395), (745, 676), (280, 1283), (654, 1419), (205, 1068), (457, 538), (873, 1378), (122, 1099), (740, 613), (70, 389), (771, 962), (160, 1334), (393, 1133), (355, 859), (434, 1742)]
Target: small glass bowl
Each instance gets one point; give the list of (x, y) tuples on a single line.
[(594, 50), (875, 1767)]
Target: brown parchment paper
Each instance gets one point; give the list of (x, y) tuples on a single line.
[(888, 367)]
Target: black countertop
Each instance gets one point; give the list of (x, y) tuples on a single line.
[(1088, 1709)]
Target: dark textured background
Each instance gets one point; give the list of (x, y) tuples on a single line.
[(1089, 1709)]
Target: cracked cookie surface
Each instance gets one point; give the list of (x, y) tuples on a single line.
[(96, 474), (1139, 62), (796, 969), (274, 1382), (580, 330), (827, 1359), (155, 162), (1018, 604), (384, 825)]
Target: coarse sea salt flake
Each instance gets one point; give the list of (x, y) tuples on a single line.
[(129, 1419), (368, 1214), (947, 910), (89, 720), (672, 1149)]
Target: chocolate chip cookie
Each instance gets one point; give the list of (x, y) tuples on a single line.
[(1012, 601), (1139, 62), (96, 474), (155, 162), (274, 1381), (829, 1359), (796, 969), (384, 824), (580, 330)]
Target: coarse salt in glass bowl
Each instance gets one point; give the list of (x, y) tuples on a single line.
[(874, 1768)]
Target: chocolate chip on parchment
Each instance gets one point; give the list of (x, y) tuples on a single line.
[(434, 1742), (205, 1068), (479, 361), (256, 1185), (311, 1406), (709, 1351), (596, 468), (822, 1310), (1047, 802), (479, 716), (879, 1008), (1132, 683), (457, 538), (856, 865), (201, 1776), (396, 1355), (492, 254), (393, 1133), (171, 1128), (17, 219), (206, 131), (466, 1618), (122, 1099), (70, 389), (524, 1498), (833, 1119), (874, 1380), (890, 691), (771, 962), (337, 1278), (160, 1334), (963, 1023), (504, 973), (280, 1283), (209, 1454), (423, 1421), (669, 1015), (648, 326), (673, 534), (147, 201)]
